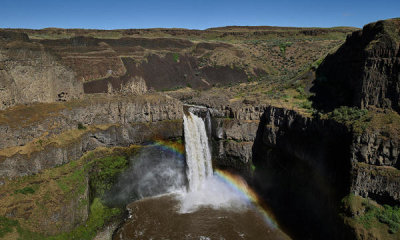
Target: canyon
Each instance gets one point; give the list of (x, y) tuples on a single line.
[(307, 116)]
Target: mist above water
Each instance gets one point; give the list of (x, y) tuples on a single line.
[(152, 171)]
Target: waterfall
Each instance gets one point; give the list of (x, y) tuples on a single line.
[(198, 156)]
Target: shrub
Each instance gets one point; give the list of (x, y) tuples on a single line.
[(283, 46), (81, 126), (348, 114), (354, 118), (175, 56), (306, 105)]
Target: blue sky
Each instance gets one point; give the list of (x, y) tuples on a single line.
[(193, 14)]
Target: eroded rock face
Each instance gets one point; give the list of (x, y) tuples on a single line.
[(364, 71), (52, 155), (122, 121), (381, 184), (56, 118), (30, 74), (375, 149)]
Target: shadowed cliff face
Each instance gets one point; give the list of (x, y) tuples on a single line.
[(364, 71), (302, 169)]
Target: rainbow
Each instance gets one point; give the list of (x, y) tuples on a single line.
[(176, 148), (240, 186)]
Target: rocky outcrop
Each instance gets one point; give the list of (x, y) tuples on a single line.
[(70, 130), (25, 123), (171, 71), (376, 149), (381, 184), (58, 151), (364, 71), (233, 141), (30, 74)]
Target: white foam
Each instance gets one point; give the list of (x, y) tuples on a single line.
[(213, 193)]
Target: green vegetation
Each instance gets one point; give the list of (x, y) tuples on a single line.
[(175, 56), (6, 225), (348, 114), (388, 215), (99, 215), (253, 167), (103, 172), (355, 118), (386, 122), (25, 190), (302, 93), (283, 47), (316, 64), (74, 183), (81, 126), (306, 105), (383, 221), (40, 196)]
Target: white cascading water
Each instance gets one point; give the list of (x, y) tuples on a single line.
[(198, 156), (204, 188)]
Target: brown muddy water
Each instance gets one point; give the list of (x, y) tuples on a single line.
[(160, 218)]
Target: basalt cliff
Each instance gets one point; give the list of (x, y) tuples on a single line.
[(309, 116)]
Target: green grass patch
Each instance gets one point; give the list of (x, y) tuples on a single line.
[(25, 190), (371, 215), (104, 171), (6, 225), (390, 216), (74, 182), (99, 215)]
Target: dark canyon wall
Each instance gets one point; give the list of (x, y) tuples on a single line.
[(364, 71)]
